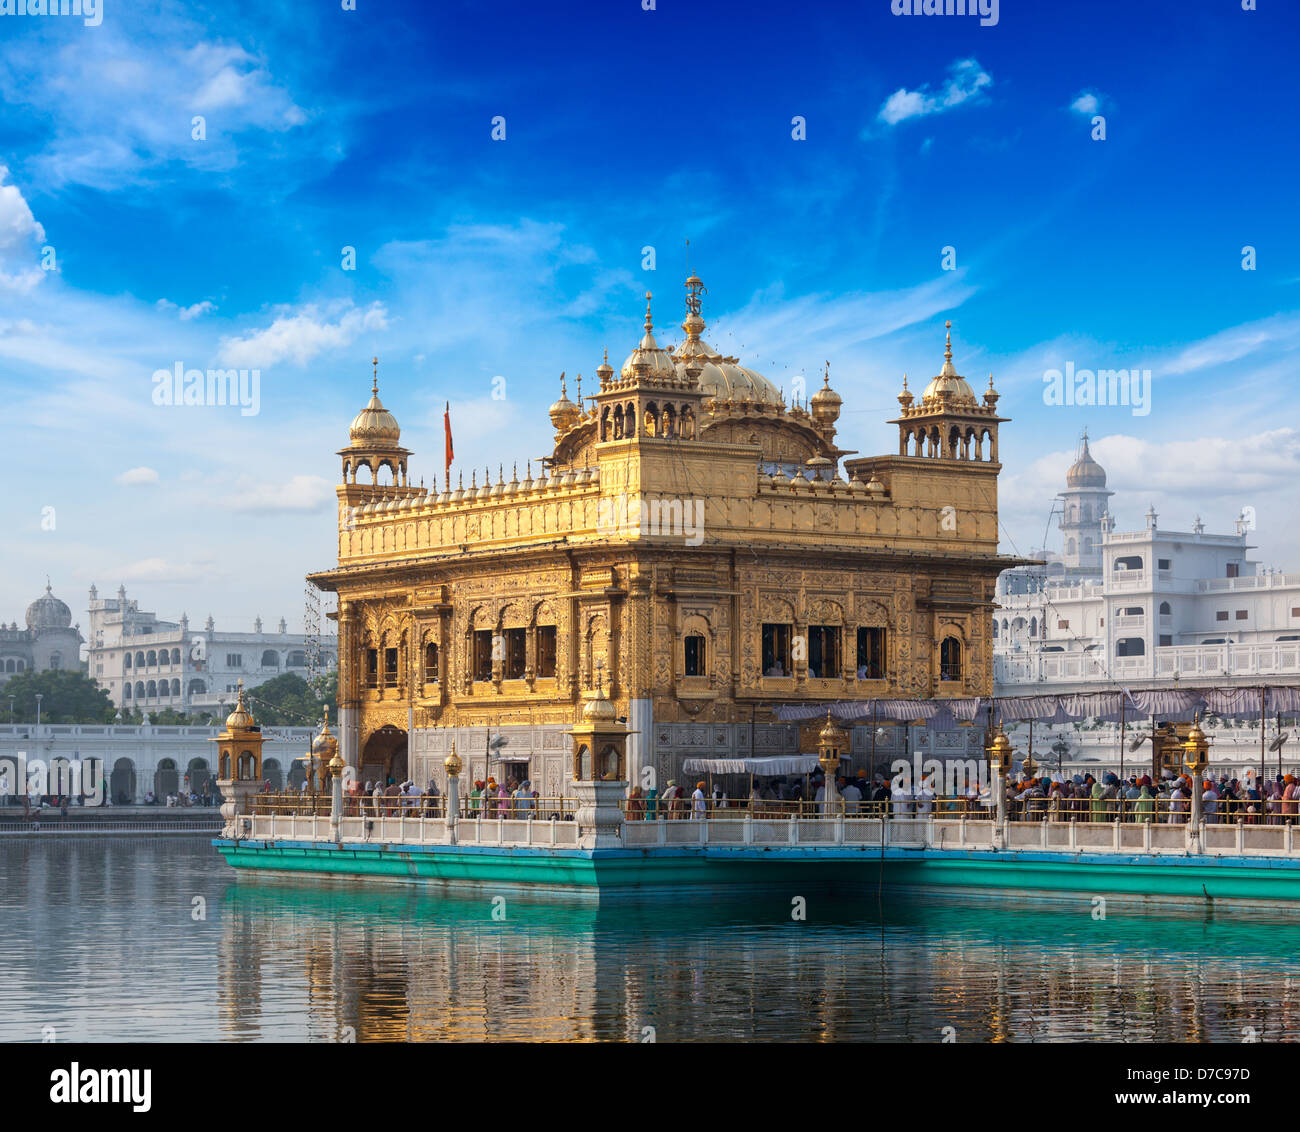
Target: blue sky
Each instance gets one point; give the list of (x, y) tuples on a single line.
[(478, 258)]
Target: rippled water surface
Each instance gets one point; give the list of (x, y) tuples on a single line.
[(155, 940)]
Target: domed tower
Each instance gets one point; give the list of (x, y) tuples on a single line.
[(239, 763), (564, 413), (56, 642), (950, 422), (47, 612), (650, 397), (825, 405), (373, 442), (1083, 506)]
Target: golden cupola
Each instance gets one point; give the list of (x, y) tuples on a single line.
[(948, 387), (374, 440), (241, 719), (564, 413), (826, 403), (649, 361)]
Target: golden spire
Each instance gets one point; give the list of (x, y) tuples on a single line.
[(374, 385), (649, 323), (948, 370)]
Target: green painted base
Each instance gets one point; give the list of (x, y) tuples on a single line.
[(1189, 879)]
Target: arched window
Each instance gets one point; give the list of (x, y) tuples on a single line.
[(270, 659), (127, 661), (995, 628), (176, 687), (139, 660), (950, 659), (126, 692), (297, 659), (695, 655), (604, 423), (618, 422), (688, 423), (1033, 626), (652, 419), (670, 421), (176, 656), (1070, 546), (56, 660), (21, 665), (139, 689), (1164, 609), (197, 687), (152, 658), (1130, 646), (430, 662), (151, 689)]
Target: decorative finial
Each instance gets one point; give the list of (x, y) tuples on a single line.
[(826, 379), (579, 394), (374, 385), (564, 389), (947, 350), (905, 382), (649, 325)]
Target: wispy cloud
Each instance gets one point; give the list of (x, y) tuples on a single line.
[(966, 82), (300, 335), (1088, 103), (300, 493), (20, 235), (135, 477)]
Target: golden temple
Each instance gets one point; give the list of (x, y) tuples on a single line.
[(691, 545)]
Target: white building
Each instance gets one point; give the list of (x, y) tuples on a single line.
[(1141, 609), (148, 664), (49, 639), (132, 761)]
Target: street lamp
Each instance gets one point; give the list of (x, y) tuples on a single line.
[(1196, 758), (39, 697), (999, 753)]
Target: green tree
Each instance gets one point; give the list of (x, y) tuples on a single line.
[(66, 697), (285, 701)]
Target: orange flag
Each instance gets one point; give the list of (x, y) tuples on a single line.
[(446, 427)]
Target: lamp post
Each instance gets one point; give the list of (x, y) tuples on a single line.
[(999, 754), (11, 709), (39, 697), (453, 765), (1196, 757)]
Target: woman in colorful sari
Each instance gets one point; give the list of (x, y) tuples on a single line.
[(635, 804), (503, 801)]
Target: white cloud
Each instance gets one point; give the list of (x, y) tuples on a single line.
[(20, 235), (195, 310), (1279, 331), (163, 570), (135, 476), (1086, 104), (146, 90), (299, 493), (302, 335), (966, 81)]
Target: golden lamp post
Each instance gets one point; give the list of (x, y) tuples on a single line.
[(1196, 748), (831, 740), (999, 755)]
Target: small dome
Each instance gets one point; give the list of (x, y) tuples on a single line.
[(832, 734), (826, 403), (948, 386), (325, 746), (599, 709), (375, 426), (564, 413), (241, 719), (48, 612), (1085, 471)]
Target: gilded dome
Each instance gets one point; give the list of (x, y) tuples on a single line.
[(375, 426), (948, 386), (826, 403), (599, 709), (564, 413), (326, 746), (1085, 471), (721, 378), (48, 612), (241, 719), (658, 362)]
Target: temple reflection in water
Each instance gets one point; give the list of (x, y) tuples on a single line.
[(408, 966)]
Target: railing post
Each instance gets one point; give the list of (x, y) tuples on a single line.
[(793, 831), (1074, 835), (747, 834), (1115, 837)]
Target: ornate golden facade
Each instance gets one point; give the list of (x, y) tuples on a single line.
[(693, 541)]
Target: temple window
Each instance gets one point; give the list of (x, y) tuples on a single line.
[(776, 650), (695, 655), (823, 651), (515, 653), (950, 659), (390, 667), (430, 662), (871, 653), (545, 650), (482, 659), (372, 668)]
